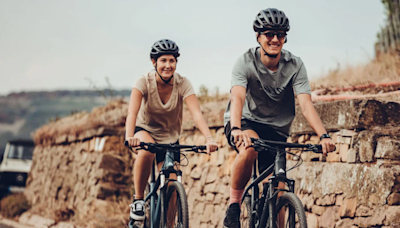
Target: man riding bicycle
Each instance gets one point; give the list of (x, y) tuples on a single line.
[(264, 83)]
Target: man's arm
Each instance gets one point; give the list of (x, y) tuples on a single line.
[(311, 115), (238, 96)]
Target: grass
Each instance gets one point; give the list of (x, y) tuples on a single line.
[(13, 205), (384, 68)]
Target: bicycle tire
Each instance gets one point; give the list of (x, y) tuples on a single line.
[(182, 212), (289, 199), (146, 222), (246, 218)]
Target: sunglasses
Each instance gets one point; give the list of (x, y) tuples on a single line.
[(271, 35)]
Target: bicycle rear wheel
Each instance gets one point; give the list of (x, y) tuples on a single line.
[(246, 219), (176, 206), (290, 202)]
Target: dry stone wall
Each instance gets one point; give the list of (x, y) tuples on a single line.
[(358, 185)]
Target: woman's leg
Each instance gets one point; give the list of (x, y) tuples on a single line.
[(142, 167)]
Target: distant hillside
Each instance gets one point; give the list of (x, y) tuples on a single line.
[(22, 113)]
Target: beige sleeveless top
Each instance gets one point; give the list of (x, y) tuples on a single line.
[(163, 121)]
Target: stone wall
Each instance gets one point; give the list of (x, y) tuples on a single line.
[(357, 185)]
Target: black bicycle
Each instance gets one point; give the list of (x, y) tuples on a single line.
[(262, 211), (169, 208)]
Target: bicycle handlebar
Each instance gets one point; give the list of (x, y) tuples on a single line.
[(316, 148), (155, 147)]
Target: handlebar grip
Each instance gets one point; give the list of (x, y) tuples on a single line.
[(126, 143), (202, 147), (319, 147)]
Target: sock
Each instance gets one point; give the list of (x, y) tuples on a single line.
[(236, 196)]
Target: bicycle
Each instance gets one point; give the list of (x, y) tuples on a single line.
[(156, 215), (263, 211)]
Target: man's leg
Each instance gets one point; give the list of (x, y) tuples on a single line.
[(241, 173)]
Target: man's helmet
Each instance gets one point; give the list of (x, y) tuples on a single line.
[(271, 19), (164, 47)]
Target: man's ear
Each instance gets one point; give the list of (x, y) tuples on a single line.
[(257, 36)]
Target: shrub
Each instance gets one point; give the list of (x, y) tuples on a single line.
[(13, 205)]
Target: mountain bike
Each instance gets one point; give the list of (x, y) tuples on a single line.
[(262, 211), (169, 207)]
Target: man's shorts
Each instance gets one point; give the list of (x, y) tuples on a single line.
[(160, 156), (265, 158)]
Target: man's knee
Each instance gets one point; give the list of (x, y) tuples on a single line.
[(248, 155)]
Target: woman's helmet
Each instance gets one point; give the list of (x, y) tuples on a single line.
[(164, 47), (271, 19)]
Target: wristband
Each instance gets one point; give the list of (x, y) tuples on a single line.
[(324, 136), (235, 128), (209, 137)]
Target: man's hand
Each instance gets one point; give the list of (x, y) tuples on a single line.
[(240, 137), (327, 145)]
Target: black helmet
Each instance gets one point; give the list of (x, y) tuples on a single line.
[(272, 19), (164, 47)]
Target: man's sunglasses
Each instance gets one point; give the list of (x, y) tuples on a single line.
[(271, 35)]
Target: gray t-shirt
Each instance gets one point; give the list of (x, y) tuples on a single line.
[(269, 95)]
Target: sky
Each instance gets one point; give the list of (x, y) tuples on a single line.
[(75, 44)]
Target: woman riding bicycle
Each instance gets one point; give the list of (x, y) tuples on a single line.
[(155, 115)]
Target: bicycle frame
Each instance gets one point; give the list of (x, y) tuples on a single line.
[(157, 210), (267, 203)]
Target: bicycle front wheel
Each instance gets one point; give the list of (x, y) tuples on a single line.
[(246, 218), (290, 212), (176, 206)]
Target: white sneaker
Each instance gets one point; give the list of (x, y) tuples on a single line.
[(137, 210)]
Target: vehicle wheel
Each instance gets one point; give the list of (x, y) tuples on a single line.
[(176, 206), (246, 219), (146, 222), (290, 202)]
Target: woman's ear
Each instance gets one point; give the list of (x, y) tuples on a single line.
[(154, 62)]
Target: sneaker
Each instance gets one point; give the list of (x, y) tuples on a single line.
[(232, 216), (137, 210)]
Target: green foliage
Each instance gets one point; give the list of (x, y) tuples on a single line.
[(389, 6), (14, 205)]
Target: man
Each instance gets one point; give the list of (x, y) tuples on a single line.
[(264, 83)]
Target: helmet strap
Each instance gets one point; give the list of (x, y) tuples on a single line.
[(265, 53), (165, 81)]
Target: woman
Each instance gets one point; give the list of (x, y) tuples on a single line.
[(155, 115)]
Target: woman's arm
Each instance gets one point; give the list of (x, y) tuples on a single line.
[(194, 109), (134, 105)]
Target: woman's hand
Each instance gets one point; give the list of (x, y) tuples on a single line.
[(133, 141), (211, 145)]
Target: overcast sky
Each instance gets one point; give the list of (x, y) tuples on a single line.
[(49, 45)]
